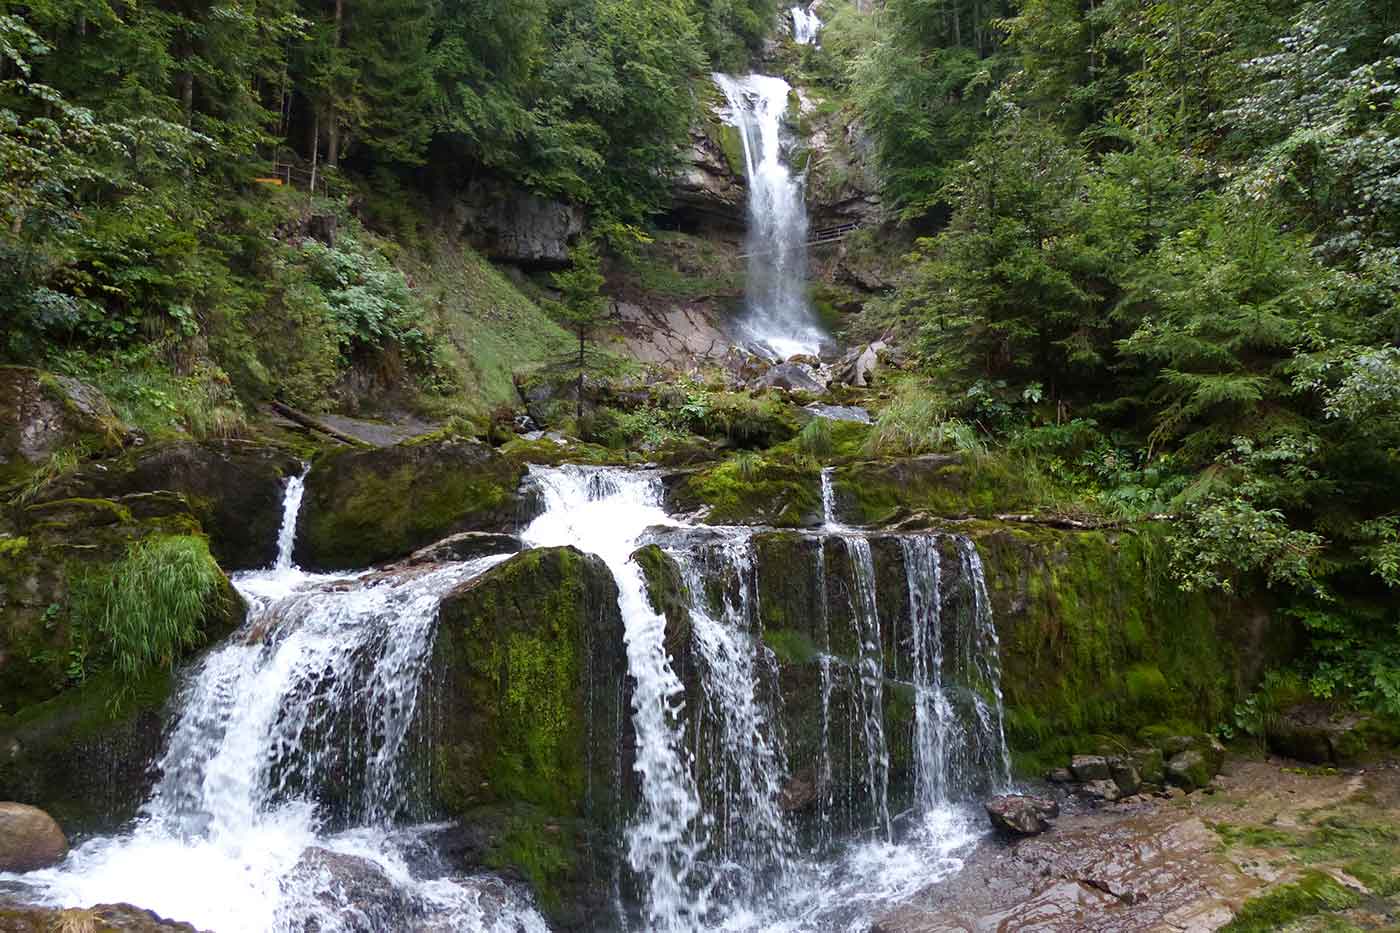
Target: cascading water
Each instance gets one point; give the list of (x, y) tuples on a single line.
[(779, 319), (288, 734), (604, 512), (806, 27)]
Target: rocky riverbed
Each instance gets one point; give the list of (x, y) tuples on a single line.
[(1269, 845)]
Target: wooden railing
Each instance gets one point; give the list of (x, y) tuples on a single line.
[(819, 238)]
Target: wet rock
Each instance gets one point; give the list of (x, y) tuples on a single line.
[(234, 488), (29, 838), (530, 727), (1089, 768), (795, 377), (839, 412), (1060, 776), (799, 793), (468, 545), (328, 891), (858, 367), (104, 918), (1019, 815), (1189, 770), (1125, 775), (1318, 734), (363, 507), (41, 413), (1106, 790)]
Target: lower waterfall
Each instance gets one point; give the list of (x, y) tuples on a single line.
[(776, 792)]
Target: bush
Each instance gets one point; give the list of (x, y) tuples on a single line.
[(917, 422)]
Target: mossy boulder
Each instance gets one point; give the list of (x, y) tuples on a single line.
[(234, 488), (104, 918), (945, 485), (363, 507), (51, 555), (743, 491), (42, 414), (85, 755), (531, 741)]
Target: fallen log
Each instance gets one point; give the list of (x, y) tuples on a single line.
[(306, 421)]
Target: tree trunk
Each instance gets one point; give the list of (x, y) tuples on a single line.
[(333, 122), (187, 96)]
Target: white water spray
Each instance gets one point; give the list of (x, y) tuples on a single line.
[(779, 320), (806, 26), (296, 726)]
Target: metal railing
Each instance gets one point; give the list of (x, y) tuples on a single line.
[(819, 238)]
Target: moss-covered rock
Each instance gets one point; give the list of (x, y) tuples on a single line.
[(84, 756), (532, 733), (363, 507), (42, 414), (949, 486), (749, 491), (53, 556), (234, 488)]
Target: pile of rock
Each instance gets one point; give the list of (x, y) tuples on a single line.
[(1179, 763), (1021, 814)]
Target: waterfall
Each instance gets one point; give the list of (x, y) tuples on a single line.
[(739, 737), (291, 510), (806, 27), (604, 511), (286, 759), (779, 318), (866, 617)]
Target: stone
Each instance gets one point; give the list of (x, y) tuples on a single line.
[(530, 724), (858, 367), (1125, 775), (30, 839), (795, 377), (1150, 764), (1189, 770), (345, 893), (1020, 815), (364, 507), (509, 224), (799, 792), (467, 545), (1089, 768), (1319, 734), (1060, 776), (103, 918), (234, 488), (41, 413), (1105, 789)]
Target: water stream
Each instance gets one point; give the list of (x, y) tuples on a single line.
[(806, 26)]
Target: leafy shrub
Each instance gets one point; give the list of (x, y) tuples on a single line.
[(916, 421)]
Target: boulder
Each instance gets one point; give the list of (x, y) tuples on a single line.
[(104, 918), (1060, 776), (1189, 770), (1150, 764), (1106, 789), (1318, 734), (795, 377), (364, 507), (468, 545), (234, 488), (1020, 815), (529, 708), (30, 839), (858, 367), (1125, 774), (1090, 768), (41, 413), (328, 891)]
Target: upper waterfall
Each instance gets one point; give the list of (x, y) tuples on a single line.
[(779, 317), (806, 26)]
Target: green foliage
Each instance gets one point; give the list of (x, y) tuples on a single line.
[(151, 607), (917, 421), (1315, 893)]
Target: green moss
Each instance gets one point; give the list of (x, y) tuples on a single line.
[(791, 646), (1315, 893), (13, 548), (364, 507), (755, 491)]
